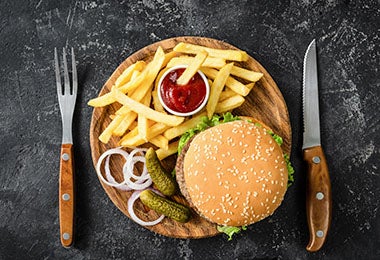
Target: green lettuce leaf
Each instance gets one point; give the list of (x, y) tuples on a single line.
[(276, 138), (230, 231), (290, 169)]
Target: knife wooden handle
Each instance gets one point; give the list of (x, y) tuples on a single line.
[(66, 195), (318, 198)]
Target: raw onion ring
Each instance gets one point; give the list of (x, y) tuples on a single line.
[(131, 180), (109, 176), (131, 201), (113, 182), (129, 165)]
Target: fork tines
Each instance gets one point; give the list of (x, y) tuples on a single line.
[(66, 90)]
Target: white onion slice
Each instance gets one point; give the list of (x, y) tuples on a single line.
[(113, 182), (135, 195), (136, 150), (129, 165), (131, 180), (109, 176), (138, 186)]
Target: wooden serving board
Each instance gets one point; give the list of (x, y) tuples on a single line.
[(265, 103)]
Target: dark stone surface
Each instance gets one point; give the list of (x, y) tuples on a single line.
[(103, 34)]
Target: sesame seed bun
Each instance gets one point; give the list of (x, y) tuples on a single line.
[(233, 174)]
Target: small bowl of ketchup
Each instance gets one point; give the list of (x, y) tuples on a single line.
[(183, 100)]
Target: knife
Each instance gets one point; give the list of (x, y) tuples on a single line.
[(318, 195)]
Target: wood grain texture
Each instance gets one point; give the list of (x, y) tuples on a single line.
[(318, 198), (265, 102), (66, 195)]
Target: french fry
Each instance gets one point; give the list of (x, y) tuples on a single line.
[(123, 110), (246, 74), (156, 129), (226, 94), (153, 69), (160, 141), (147, 98), (128, 72), (212, 62), (101, 101), (142, 125), (156, 102), (125, 123), (209, 82), (142, 121), (138, 80), (168, 57), (130, 117), (107, 99), (132, 138), (130, 86), (216, 88), (149, 113), (173, 132), (192, 69), (159, 77), (135, 74), (250, 85), (231, 83), (106, 135), (237, 86), (229, 104), (163, 153), (233, 55)]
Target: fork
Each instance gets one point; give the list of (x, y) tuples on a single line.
[(66, 98)]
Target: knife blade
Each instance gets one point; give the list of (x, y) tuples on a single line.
[(318, 195)]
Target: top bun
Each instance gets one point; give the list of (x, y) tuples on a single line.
[(234, 173)]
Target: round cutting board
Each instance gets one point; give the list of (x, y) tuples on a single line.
[(265, 102)]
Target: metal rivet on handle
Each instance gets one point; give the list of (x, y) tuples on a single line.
[(316, 159), (319, 196), (319, 233), (66, 236), (66, 197), (65, 157)]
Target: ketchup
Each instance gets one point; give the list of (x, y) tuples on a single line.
[(182, 98)]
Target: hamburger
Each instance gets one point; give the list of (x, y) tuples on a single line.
[(233, 173)]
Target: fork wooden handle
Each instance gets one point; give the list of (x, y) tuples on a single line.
[(66, 195)]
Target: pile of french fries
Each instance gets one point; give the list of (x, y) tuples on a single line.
[(142, 119)]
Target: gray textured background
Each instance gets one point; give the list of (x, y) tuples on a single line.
[(103, 34)]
